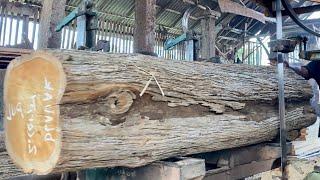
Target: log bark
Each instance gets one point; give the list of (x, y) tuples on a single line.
[(7, 168), (68, 110)]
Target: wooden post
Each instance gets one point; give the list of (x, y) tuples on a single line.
[(273, 55), (144, 35), (52, 12), (208, 49)]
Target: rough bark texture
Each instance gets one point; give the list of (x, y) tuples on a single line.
[(207, 107), (7, 168)]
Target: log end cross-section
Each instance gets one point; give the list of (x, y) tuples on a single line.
[(33, 89)]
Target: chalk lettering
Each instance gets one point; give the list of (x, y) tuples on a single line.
[(47, 129), (19, 109), (9, 118), (48, 137), (47, 85), (32, 149), (12, 111), (32, 106), (47, 97), (48, 119), (48, 109), (31, 119), (30, 126), (30, 134)]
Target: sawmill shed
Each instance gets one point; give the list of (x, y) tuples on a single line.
[(159, 89)]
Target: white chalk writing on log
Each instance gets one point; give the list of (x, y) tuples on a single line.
[(47, 97), (48, 109), (32, 148), (48, 119), (13, 110), (48, 137), (30, 127), (47, 85), (32, 106)]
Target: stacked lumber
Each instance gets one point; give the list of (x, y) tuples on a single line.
[(8, 54), (308, 144), (70, 110)]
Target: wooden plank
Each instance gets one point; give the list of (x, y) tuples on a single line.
[(73, 28), (25, 27), (311, 143), (14, 51), (35, 21), (10, 28), (172, 169), (68, 37), (123, 32), (1, 20), (17, 30), (241, 171), (52, 13), (243, 155), (98, 30), (63, 38), (5, 27), (19, 8), (112, 36)]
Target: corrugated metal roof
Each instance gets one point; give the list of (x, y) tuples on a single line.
[(169, 14)]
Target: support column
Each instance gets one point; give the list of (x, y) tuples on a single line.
[(273, 55), (144, 35), (208, 40), (52, 12)]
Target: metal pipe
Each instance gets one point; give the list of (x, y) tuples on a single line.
[(280, 67)]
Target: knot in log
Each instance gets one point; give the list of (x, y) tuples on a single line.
[(120, 101)]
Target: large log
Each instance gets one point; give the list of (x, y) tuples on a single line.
[(68, 110)]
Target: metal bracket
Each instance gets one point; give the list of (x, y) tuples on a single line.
[(189, 37), (86, 24)]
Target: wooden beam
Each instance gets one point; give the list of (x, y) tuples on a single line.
[(229, 38), (52, 12), (240, 172), (208, 38), (163, 8), (19, 8), (175, 168), (144, 35)]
